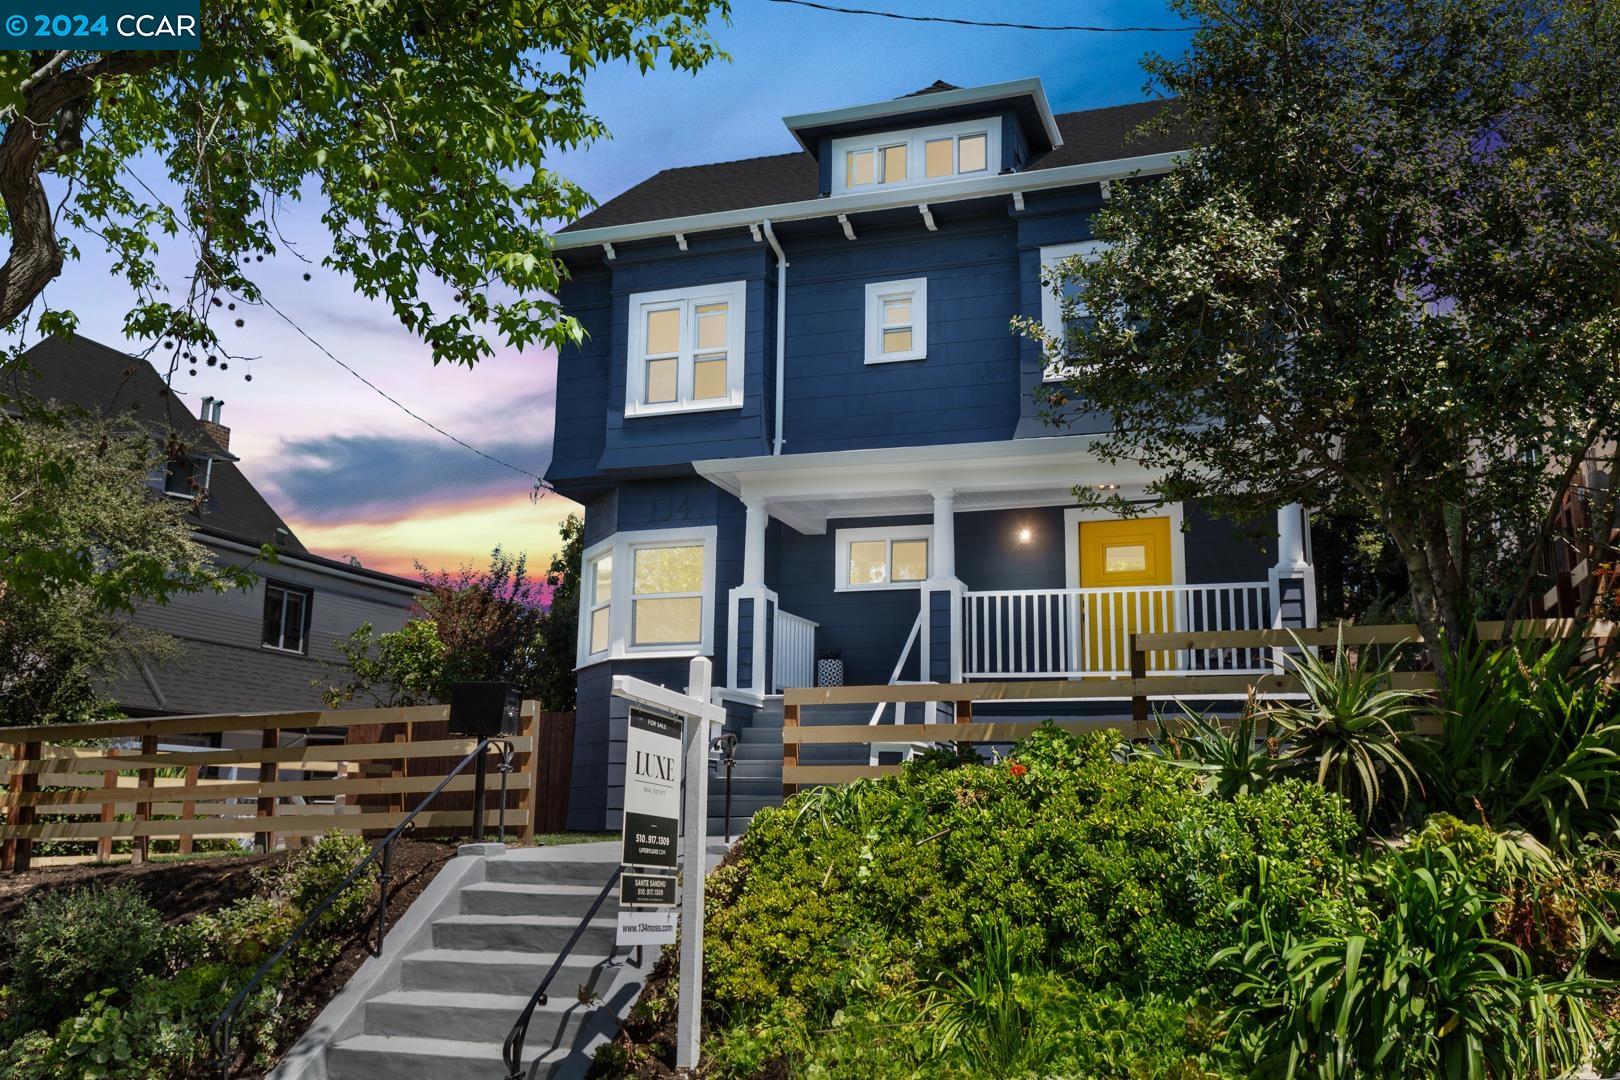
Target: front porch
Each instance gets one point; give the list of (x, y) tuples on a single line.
[(960, 563)]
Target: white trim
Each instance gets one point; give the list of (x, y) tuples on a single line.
[(945, 99), (622, 546), (916, 290), (890, 533), (1051, 301), (1074, 515), (1090, 172), (685, 300), (915, 141)]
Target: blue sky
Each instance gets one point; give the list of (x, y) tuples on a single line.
[(354, 476)]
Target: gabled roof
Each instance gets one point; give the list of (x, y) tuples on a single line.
[(106, 382), (1090, 136)]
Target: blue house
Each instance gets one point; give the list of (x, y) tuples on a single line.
[(801, 425)]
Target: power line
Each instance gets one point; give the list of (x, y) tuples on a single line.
[(379, 391), (978, 22)]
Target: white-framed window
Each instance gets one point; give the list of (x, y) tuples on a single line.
[(286, 617), (1053, 295), (884, 557), (188, 477), (648, 593), (927, 155), (896, 320), (685, 350)]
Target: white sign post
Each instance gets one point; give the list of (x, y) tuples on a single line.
[(699, 713)]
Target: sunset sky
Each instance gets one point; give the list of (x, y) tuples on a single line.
[(353, 475)]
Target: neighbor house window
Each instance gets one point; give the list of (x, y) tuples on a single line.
[(187, 477), (1054, 295), (887, 557), (922, 156), (685, 351), (286, 617), (648, 593), (896, 321)]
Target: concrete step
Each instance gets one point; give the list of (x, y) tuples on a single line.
[(751, 770), (384, 1057), (438, 1014), (491, 971), (532, 871), (524, 933), (519, 898), (760, 752)]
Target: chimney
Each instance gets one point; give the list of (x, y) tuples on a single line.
[(210, 421)]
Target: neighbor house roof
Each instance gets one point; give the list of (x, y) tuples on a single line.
[(1089, 136)]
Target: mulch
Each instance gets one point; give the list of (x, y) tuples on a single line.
[(180, 891)]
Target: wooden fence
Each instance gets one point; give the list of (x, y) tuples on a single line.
[(1139, 689), (357, 770)]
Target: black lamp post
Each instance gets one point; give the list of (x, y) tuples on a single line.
[(485, 710)]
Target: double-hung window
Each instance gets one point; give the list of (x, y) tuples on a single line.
[(648, 593), (1056, 295), (286, 617), (886, 557), (896, 320), (686, 350)]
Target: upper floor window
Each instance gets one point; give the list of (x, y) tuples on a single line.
[(1056, 294), (648, 593), (286, 617), (187, 477), (686, 350), (896, 320), (886, 557), (921, 156)]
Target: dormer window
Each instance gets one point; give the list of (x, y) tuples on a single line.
[(187, 477), (923, 156)]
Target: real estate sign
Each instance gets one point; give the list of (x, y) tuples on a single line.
[(652, 791), (655, 927), (647, 890)]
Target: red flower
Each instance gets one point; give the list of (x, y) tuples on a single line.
[(1017, 769)]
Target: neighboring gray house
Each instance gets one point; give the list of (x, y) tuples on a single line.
[(242, 651)]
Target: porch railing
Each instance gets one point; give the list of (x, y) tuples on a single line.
[(1068, 633), (794, 662)]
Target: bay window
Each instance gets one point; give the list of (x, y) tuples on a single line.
[(648, 593), (1056, 294), (685, 350)]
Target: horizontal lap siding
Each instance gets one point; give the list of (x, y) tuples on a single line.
[(582, 376)]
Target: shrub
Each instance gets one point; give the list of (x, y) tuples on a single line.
[(310, 873), (1120, 873), (1232, 759), (71, 943)]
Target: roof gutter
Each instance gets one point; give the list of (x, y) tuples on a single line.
[(1091, 172), (781, 329)]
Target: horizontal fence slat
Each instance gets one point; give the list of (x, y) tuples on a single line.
[(988, 731), (293, 825), (1397, 634), (1166, 686), (834, 774), (253, 789), (214, 723), (290, 758)]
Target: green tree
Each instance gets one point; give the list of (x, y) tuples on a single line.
[(1385, 281), (84, 539), (559, 630), (423, 125)]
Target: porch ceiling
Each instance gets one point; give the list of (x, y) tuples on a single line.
[(805, 490)]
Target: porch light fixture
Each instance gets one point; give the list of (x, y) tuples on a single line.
[(1025, 534), (1107, 487)]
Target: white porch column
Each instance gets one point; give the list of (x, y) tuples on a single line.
[(944, 535), (1293, 579), (754, 541)]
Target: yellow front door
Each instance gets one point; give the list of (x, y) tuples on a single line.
[(1122, 556)]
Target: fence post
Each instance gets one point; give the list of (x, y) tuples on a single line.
[(529, 798), (266, 808), (109, 812), (19, 851), (188, 810), (790, 750), (1139, 703), (145, 777)]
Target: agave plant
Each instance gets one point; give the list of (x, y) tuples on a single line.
[(1234, 760), (1348, 734)]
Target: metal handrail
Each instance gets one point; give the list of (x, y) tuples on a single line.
[(512, 1051), (219, 1032)]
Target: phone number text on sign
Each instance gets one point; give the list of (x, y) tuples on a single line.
[(104, 24)]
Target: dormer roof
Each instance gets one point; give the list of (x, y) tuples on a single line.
[(941, 102)]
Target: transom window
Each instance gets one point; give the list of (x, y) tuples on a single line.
[(685, 350), (1056, 294), (886, 557), (648, 593), (920, 156), (286, 617), (896, 320)]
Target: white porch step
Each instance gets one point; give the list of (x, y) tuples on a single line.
[(491, 971)]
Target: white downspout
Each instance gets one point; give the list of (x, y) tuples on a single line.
[(781, 328)]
